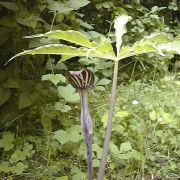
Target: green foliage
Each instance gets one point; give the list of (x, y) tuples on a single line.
[(40, 134), (7, 141)]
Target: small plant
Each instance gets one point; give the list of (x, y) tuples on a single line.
[(82, 80)]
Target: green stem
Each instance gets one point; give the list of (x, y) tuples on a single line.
[(109, 125)]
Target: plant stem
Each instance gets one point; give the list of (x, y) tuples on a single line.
[(86, 124), (109, 125)]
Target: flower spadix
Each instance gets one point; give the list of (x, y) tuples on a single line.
[(82, 80), (120, 29)]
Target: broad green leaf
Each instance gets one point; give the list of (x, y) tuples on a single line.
[(24, 100), (165, 118), (28, 149), (62, 178), (17, 156), (62, 107), (122, 114), (12, 83), (74, 135), (100, 88), (68, 93), (103, 82), (70, 36), (19, 168), (4, 167), (82, 150), (30, 22), (46, 118), (65, 57), (79, 176), (76, 4), (56, 6), (125, 147), (58, 49), (153, 43), (7, 141), (96, 163), (54, 49), (10, 5), (4, 95), (8, 21), (171, 47), (98, 150), (106, 49), (114, 149), (84, 24), (159, 37), (54, 78), (61, 136)]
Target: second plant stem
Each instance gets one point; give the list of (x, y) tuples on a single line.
[(109, 125), (86, 124)]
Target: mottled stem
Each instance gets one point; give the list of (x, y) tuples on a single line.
[(86, 124)]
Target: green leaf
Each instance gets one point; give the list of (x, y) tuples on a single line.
[(160, 37), (70, 36), (68, 93), (96, 163), (103, 82), (79, 176), (76, 4), (122, 114), (106, 49), (153, 115), (4, 95), (46, 118), (28, 149), (65, 57), (8, 21), (84, 24), (24, 100), (98, 150), (75, 135), (114, 149), (4, 167), (62, 107), (54, 78), (158, 43), (10, 5), (7, 141), (59, 7), (17, 156), (61, 136), (56, 49), (30, 22), (62, 178), (19, 168), (12, 83), (125, 147), (171, 47)]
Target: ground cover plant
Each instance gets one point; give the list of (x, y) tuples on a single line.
[(41, 137)]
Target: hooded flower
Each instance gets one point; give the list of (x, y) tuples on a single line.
[(120, 29), (81, 79)]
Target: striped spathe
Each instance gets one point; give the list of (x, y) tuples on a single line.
[(81, 79)]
